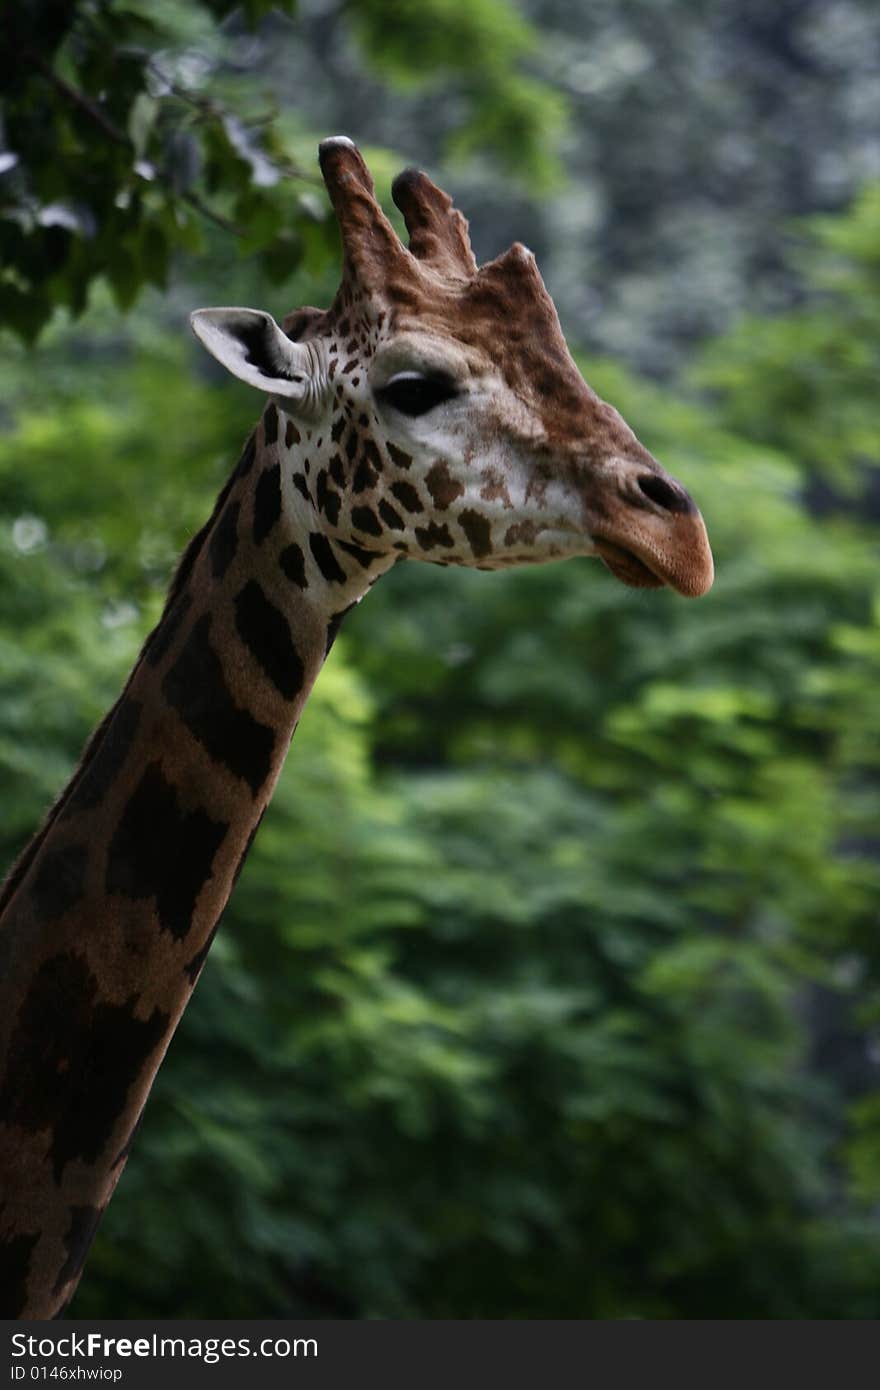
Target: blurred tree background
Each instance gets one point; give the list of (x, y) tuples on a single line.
[(552, 985)]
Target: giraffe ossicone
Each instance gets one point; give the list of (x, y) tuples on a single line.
[(432, 412)]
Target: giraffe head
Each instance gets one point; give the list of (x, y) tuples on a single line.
[(446, 418)]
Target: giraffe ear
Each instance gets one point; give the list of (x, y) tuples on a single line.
[(250, 345)]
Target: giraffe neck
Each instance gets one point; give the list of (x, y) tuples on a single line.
[(107, 919)]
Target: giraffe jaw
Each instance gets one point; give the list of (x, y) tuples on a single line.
[(626, 566), (685, 564)]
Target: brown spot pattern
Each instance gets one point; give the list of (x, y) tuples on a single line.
[(433, 535), (478, 531), (444, 489)]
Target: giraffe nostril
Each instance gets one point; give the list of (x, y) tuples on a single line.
[(665, 493)]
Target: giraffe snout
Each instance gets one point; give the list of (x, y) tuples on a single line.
[(651, 531)]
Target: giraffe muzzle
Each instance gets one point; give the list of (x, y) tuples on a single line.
[(655, 534)]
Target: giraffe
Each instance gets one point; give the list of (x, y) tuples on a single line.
[(433, 412)]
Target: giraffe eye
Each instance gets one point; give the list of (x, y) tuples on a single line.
[(413, 393)]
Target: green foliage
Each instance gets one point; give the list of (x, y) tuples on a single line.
[(808, 382), (108, 152), (61, 654), (478, 48)]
